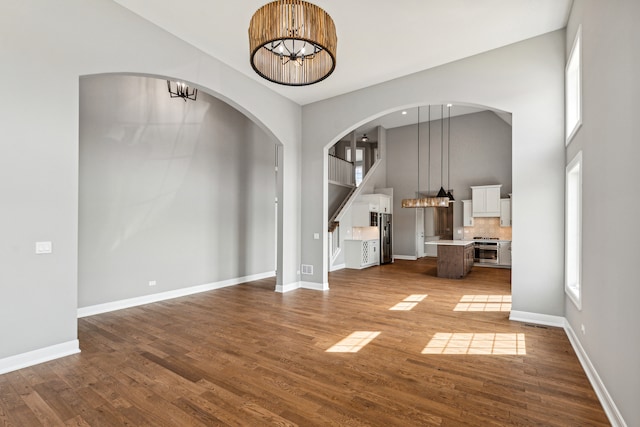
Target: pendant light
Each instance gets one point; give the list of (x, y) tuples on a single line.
[(441, 193), (422, 201), (449, 195)]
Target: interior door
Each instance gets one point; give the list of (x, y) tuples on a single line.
[(420, 250)]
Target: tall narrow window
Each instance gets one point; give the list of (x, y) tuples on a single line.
[(573, 239), (573, 89), (358, 164)]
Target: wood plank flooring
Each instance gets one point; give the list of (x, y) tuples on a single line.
[(245, 355)]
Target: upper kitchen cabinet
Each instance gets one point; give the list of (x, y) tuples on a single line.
[(505, 213), (360, 212), (486, 200), (377, 202)]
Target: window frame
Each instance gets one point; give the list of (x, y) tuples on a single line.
[(573, 183), (572, 87), (358, 165)]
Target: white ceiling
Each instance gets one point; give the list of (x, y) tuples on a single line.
[(378, 40)]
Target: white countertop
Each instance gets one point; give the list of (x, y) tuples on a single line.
[(451, 242)]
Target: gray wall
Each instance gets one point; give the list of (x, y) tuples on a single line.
[(39, 148), (608, 139), (525, 79), (177, 192), (480, 155)]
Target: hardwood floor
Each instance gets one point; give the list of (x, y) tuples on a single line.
[(245, 355)]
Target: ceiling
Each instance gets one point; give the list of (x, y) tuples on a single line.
[(410, 116), (378, 40)]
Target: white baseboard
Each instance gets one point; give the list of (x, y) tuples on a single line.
[(162, 296), (30, 358), (337, 267), (609, 406), (536, 318), (407, 257), (288, 287), (315, 286)]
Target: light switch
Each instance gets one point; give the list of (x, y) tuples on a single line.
[(316, 236), (44, 248)]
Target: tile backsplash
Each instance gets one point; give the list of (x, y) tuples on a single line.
[(364, 233), (487, 227)]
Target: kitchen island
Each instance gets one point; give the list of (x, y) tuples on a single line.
[(455, 257)]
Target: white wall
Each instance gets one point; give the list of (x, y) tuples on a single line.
[(609, 140), (46, 47), (177, 192), (525, 79)]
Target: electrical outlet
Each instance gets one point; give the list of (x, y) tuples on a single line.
[(44, 248), (152, 283), (583, 329)]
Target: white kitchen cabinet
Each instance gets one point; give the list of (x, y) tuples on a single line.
[(377, 202), (486, 200), (385, 204), (467, 213), (505, 213), (360, 215), (362, 253), (360, 212)]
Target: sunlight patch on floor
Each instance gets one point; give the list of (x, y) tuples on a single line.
[(470, 343), (354, 342), (409, 302), (484, 303)]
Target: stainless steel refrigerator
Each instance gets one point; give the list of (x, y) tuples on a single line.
[(383, 222)]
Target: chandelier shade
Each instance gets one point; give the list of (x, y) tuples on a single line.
[(292, 42)]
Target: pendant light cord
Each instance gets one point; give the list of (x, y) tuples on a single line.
[(449, 150), (429, 156), (418, 196), (441, 144)]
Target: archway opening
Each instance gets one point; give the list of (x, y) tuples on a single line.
[(175, 197)]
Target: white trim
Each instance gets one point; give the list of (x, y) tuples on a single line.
[(162, 296), (576, 49), (407, 257), (537, 318), (338, 267), (288, 287), (303, 285), (315, 286), (41, 355), (609, 406), (573, 290)]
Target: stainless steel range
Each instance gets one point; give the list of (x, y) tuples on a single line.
[(486, 250)]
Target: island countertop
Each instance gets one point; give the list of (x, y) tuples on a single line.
[(450, 242)]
